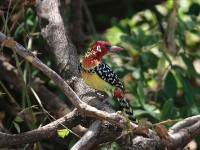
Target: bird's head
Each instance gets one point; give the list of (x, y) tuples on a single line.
[(101, 48)]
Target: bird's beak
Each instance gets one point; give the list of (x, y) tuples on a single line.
[(115, 49)]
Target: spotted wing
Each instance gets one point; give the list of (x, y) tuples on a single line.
[(108, 75)]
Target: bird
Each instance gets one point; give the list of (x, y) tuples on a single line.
[(99, 76)]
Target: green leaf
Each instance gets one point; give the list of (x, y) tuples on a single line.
[(132, 88), (196, 54), (194, 9), (167, 109), (115, 146), (63, 132), (20, 29), (188, 89), (140, 91), (149, 60), (170, 86), (142, 122), (136, 73), (190, 67), (18, 119), (114, 103), (150, 108), (17, 127), (139, 112)]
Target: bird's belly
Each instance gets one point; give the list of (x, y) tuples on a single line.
[(95, 82)]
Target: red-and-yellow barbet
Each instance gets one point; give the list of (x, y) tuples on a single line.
[(98, 75)]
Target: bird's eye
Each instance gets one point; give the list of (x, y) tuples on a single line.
[(98, 48), (107, 46)]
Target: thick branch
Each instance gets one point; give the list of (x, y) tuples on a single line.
[(96, 135), (51, 14), (184, 123), (181, 133), (44, 132), (53, 30), (83, 108)]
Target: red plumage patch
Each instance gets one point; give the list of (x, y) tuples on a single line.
[(118, 93)]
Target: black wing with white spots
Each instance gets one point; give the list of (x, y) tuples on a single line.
[(108, 75)]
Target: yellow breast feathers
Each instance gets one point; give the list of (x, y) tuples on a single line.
[(95, 82)]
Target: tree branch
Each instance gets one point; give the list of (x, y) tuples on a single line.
[(171, 28), (51, 15), (96, 135), (44, 132), (180, 134), (64, 52), (83, 108)]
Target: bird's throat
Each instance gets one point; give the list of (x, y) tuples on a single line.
[(90, 62)]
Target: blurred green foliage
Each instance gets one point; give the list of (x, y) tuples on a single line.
[(163, 85)]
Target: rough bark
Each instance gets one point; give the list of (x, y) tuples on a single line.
[(53, 29), (44, 132), (51, 17), (97, 134)]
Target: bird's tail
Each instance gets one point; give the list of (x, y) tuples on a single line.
[(128, 110), (119, 94)]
